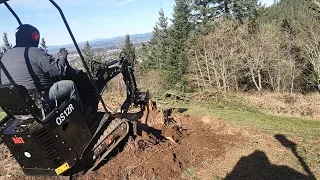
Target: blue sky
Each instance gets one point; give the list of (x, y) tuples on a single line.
[(88, 19)]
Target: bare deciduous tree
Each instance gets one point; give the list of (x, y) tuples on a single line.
[(229, 57)]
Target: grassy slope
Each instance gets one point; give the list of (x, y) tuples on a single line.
[(306, 131), (271, 123), (2, 115), (242, 114)]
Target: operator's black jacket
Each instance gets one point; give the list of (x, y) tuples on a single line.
[(32, 68)]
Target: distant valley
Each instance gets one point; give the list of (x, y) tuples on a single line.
[(109, 43)]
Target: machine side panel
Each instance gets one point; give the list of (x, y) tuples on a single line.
[(41, 150)]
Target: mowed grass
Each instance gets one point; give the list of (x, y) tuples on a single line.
[(292, 126), (2, 115), (272, 123), (306, 130)]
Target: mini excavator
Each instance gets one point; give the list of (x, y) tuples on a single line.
[(67, 138)]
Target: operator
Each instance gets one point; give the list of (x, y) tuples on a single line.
[(34, 69)]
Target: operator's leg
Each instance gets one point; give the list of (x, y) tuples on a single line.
[(63, 89)]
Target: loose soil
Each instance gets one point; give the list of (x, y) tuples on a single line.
[(149, 157), (176, 146)]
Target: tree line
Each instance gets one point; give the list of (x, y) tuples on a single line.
[(7, 45), (237, 45), (230, 46)]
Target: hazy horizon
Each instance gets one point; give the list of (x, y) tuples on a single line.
[(88, 20)]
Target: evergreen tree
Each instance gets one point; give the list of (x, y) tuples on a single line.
[(176, 64), (1, 53), (244, 8), (206, 11), (44, 45), (6, 44), (159, 42), (236, 9), (152, 61), (163, 20), (88, 55), (155, 53), (144, 57), (128, 47), (223, 7), (203, 11), (253, 23)]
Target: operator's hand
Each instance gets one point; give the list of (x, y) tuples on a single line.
[(66, 69), (63, 53)]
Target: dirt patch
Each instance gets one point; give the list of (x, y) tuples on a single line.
[(8, 165), (171, 145), (260, 156), (172, 158)]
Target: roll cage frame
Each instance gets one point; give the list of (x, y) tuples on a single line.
[(5, 2)]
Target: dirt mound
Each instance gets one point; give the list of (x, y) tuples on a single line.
[(168, 145), (171, 145), (183, 143)]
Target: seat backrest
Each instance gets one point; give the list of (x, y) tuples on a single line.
[(15, 100)]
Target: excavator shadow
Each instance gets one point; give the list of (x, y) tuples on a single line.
[(257, 166)]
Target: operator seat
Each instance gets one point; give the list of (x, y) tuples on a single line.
[(18, 102), (15, 101)]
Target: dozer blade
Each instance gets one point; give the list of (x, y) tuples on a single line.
[(109, 140)]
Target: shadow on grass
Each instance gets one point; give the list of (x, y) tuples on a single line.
[(293, 147), (257, 166)]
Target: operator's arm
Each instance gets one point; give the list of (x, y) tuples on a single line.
[(68, 70), (55, 67)]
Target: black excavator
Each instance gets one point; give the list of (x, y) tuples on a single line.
[(67, 138)]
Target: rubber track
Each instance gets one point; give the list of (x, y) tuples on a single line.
[(111, 128)]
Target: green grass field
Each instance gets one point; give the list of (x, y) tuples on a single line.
[(306, 130), (272, 123), (238, 112), (2, 115)]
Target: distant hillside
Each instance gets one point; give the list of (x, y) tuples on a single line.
[(103, 43)]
